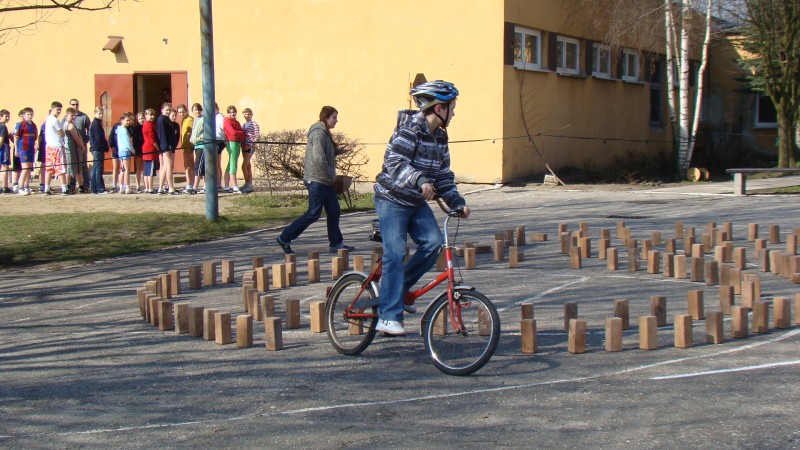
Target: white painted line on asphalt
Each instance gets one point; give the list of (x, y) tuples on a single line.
[(95, 303), (547, 292), (734, 369)]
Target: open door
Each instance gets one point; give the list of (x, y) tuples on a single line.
[(180, 96), (113, 93)]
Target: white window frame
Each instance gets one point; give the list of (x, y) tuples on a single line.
[(626, 52), (597, 48), (756, 121), (561, 56), (525, 34)]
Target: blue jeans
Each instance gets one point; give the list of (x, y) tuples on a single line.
[(319, 196), (97, 182), (396, 223)]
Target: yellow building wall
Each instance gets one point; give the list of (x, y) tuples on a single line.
[(285, 59)]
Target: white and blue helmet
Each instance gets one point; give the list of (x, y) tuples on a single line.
[(433, 93)]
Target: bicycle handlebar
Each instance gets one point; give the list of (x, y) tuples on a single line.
[(457, 212)]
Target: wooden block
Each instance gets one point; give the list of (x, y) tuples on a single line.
[(690, 231), (538, 237), (222, 328), (509, 238), (345, 255), (181, 318), (175, 282), (526, 311), (469, 258), (584, 228), (246, 288), (696, 308), (620, 229), (760, 317), (748, 293), (160, 291), (337, 267), (291, 274), (358, 263), (528, 331), (698, 251), (520, 236), (318, 317), (499, 250), (209, 273), (586, 247), (688, 243), (658, 308), (648, 333), (622, 311), (279, 276), (653, 261), (602, 248), (647, 245), (140, 293), (760, 244), (613, 335), (292, 308), (244, 331), (570, 312), (736, 281), (258, 261), (155, 309), (227, 271), (273, 333), (727, 227), (655, 236), (612, 260), (150, 286), (764, 259), (683, 330), (669, 246), (439, 324), (605, 233), (725, 299), (774, 234), (783, 313), (289, 258), (633, 258), (268, 306), (714, 328), (739, 322), (710, 227), (313, 271), (719, 254), (254, 305), (752, 232), (262, 279), (797, 309), (513, 256), (315, 255), (739, 258), (165, 316), (575, 258), (706, 243), (712, 273), (669, 265), (678, 230), (680, 266), (577, 336), (565, 243), (209, 326), (195, 314), (791, 244), (484, 322), (698, 270)]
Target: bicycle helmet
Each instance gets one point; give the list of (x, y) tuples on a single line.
[(433, 93)]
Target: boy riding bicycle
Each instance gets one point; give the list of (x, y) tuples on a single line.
[(416, 167)]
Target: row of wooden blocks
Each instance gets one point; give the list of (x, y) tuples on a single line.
[(648, 325)]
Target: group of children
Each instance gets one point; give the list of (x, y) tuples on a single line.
[(143, 145)]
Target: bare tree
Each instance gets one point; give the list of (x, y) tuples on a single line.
[(23, 17)]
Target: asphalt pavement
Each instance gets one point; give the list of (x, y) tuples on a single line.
[(80, 368)]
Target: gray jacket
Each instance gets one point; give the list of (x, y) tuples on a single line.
[(320, 162)]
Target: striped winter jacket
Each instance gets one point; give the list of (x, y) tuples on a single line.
[(414, 156)]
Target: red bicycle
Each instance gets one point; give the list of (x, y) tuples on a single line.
[(460, 328)]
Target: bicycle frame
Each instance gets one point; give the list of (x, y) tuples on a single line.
[(447, 274)]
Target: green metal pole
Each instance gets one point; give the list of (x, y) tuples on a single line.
[(209, 128)]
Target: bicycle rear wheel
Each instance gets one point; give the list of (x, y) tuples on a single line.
[(349, 335), (464, 352)]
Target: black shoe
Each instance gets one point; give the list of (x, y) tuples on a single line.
[(340, 246), (285, 246)]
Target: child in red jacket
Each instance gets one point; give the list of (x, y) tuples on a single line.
[(234, 137)]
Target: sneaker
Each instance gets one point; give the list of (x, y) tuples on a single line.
[(411, 309), (102, 193), (227, 189), (128, 191), (173, 192), (191, 191), (391, 327), (340, 246), (285, 246), (47, 192), (15, 189), (247, 188), (236, 190), (202, 191), (23, 192), (162, 192)]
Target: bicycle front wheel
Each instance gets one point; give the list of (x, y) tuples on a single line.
[(461, 352), (350, 335)]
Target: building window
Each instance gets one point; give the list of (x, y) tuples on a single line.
[(656, 93), (766, 116), (601, 61), (630, 64), (567, 54), (527, 49)]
